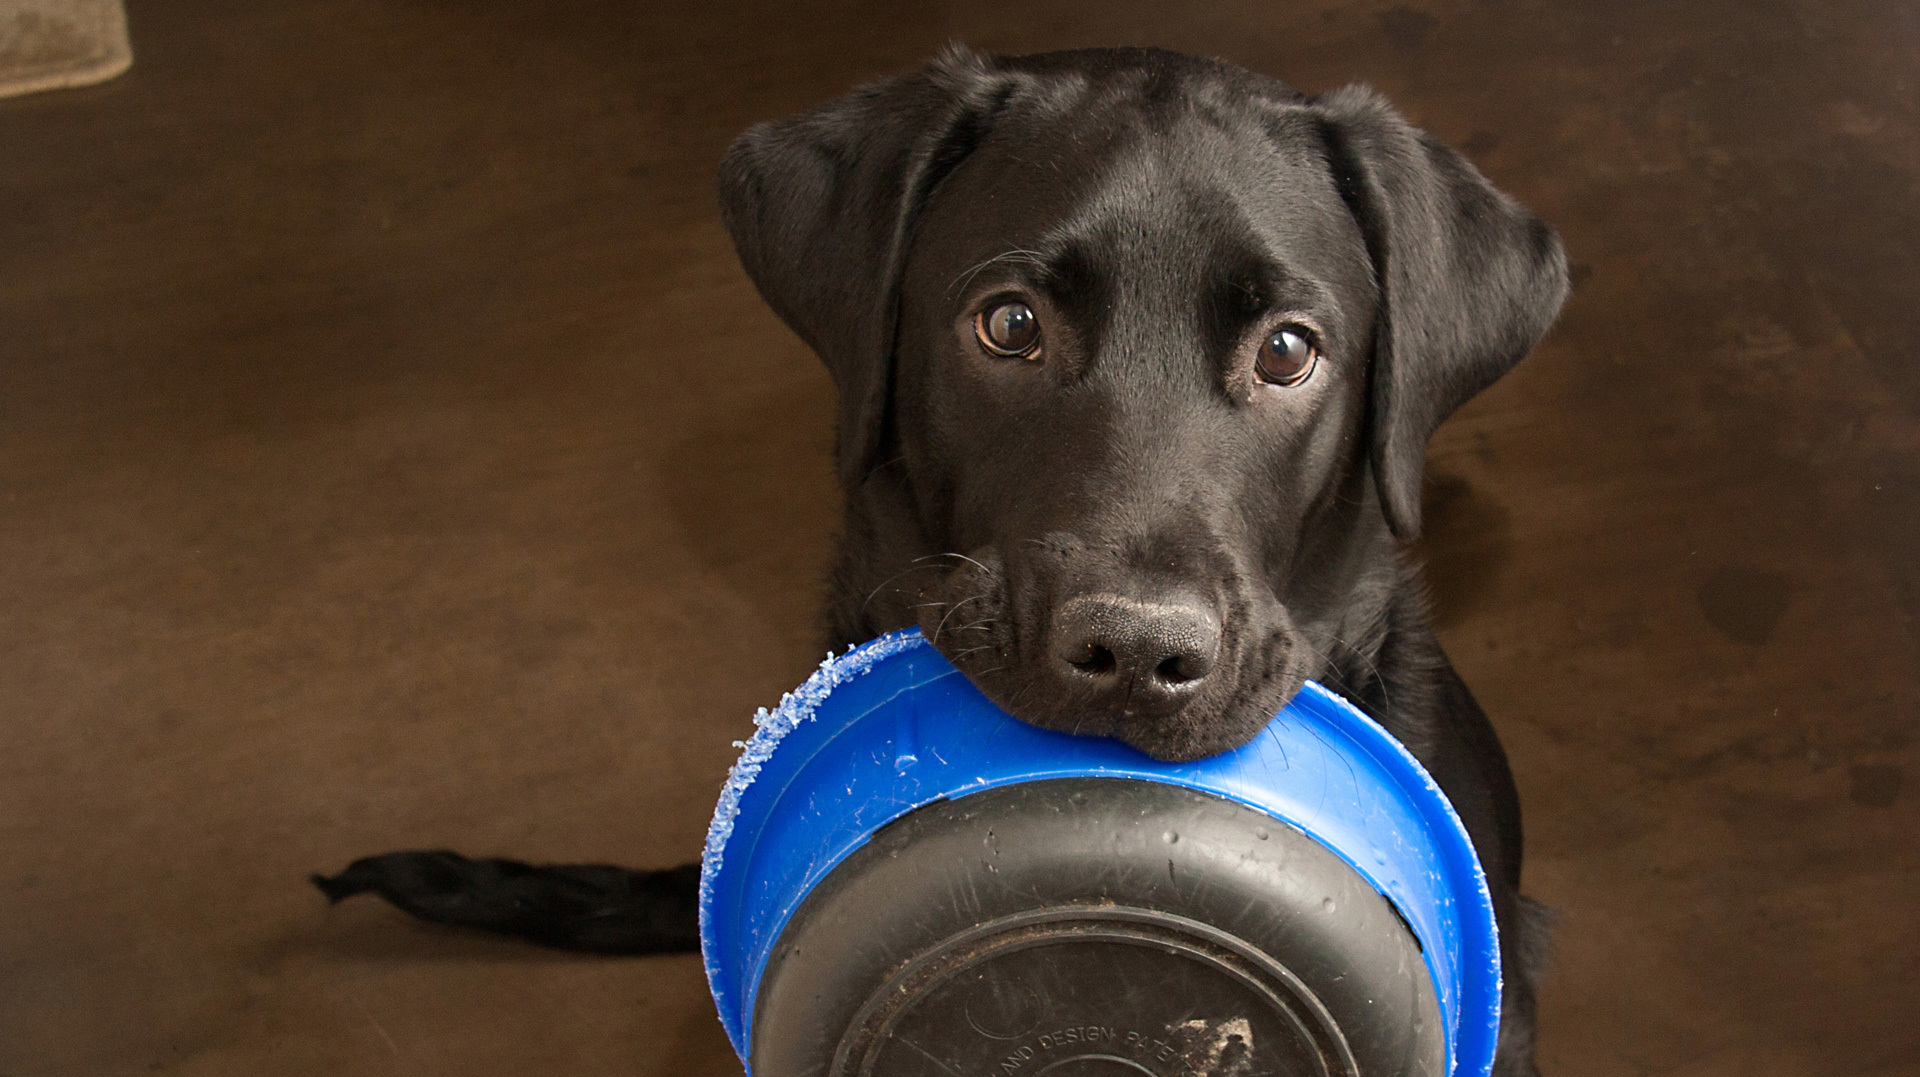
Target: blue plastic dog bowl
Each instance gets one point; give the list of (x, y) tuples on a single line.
[(901, 879)]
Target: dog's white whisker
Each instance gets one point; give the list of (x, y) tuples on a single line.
[(888, 580), (950, 611), (1386, 690)]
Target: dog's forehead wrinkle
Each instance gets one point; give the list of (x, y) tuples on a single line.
[(1157, 206), (1170, 240)]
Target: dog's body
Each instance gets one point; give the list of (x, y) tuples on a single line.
[(1138, 356)]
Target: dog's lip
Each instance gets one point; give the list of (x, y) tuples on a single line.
[(1234, 735), (1185, 749), (1149, 736)]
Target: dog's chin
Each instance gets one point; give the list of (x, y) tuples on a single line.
[(1185, 737), (1203, 728), (1181, 741)]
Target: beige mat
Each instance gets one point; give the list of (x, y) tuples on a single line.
[(51, 44)]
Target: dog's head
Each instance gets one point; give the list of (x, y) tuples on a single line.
[(1138, 356)]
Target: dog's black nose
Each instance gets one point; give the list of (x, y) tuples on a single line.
[(1140, 656)]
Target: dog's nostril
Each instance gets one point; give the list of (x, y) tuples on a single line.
[(1097, 660), (1178, 670)]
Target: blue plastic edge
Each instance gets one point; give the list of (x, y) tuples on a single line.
[(906, 729)]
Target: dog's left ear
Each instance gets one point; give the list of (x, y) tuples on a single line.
[(822, 207), (1469, 281)]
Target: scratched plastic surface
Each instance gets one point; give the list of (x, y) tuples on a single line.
[(892, 726)]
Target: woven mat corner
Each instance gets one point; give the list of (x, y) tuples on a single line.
[(54, 44)]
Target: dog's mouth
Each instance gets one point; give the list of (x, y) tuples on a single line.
[(1173, 675)]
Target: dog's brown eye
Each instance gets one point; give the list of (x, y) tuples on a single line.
[(1287, 356), (1008, 329)]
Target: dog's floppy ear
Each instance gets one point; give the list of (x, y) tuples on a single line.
[(1469, 281), (822, 208)]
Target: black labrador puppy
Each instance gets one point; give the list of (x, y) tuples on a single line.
[(1138, 356)]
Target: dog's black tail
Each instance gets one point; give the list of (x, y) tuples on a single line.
[(589, 907)]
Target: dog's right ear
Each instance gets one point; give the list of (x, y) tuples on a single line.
[(822, 209), (1469, 280)]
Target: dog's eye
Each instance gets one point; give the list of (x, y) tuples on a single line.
[(1287, 356), (1008, 329)]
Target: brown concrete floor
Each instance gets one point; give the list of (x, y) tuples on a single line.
[(392, 454)]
